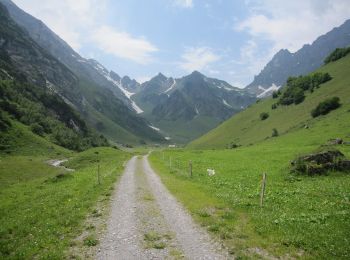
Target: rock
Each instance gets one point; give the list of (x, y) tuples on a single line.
[(323, 157), (321, 162), (344, 165)]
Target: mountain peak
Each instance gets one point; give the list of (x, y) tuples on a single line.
[(197, 73), (282, 52), (159, 77)]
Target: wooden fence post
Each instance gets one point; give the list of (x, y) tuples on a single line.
[(98, 174), (263, 185), (190, 168)]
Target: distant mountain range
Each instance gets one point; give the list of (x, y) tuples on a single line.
[(159, 110), (310, 57), (187, 107)]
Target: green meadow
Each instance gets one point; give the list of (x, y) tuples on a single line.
[(43, 208), (307, 217)]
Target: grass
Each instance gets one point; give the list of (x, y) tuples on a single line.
[(21, 141), (303, 217), (246, 127), (40, 214), (154, 240)]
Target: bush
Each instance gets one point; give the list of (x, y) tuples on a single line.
[(5, 123), (274, 132), (37, 129), (275, 94), (292, 95), (233, 145), (296, 86), (326, 106), (274, 106), (337, 54), (264, 115)]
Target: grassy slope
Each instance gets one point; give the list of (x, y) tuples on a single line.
[(111, 129), (303, 217), (40, 214), (23, 142), (182, 131), (246, 127)]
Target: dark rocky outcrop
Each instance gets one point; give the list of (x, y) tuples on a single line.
[(320, 163)]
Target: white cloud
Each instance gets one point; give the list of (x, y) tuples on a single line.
[(291, 24), (79, 22), (70, 19), (197, 58), (123, 45), (183, 3)]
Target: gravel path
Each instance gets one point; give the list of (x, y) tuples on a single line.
[(147, 222), (121, 240), (195, 242)]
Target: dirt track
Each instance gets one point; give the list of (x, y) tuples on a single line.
[(147, 222)]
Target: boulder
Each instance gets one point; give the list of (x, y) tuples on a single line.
[(323, 157), (320, 163)]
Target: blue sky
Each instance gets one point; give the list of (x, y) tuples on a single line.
[(225, 39)]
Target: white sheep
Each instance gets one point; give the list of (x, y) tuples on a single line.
[(211, 172)]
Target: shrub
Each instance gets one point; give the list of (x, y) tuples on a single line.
[(274, 132), (275, 94), (37, 129), (233, 145), (326, 106), (296, 86), (5, 123), (274, 106), (337, 54), (264, 115), (292, 95)]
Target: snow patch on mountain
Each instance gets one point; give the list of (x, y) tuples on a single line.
[(128, 94), (197, 112), (267, 91), (225, 103), (104, 72), (171, 87), (154, 128)]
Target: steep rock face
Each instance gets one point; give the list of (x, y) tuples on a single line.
[(34, 63), (38, 91), (84, 84), (130, 85), (310, 57)]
